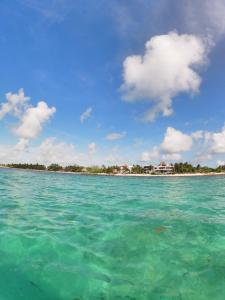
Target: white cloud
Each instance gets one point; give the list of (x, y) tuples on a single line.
[(15, 104), (22, 144), (153, 154), (10, 154), (48, 152), (218, 141), (199, 134), (205, 146), (211, 145), (91, 148), (115, 136), (175, 141), (168, 67), (86, 114), (33, 119), (51, 151)]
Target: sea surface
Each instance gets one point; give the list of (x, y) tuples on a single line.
[(71, 237)]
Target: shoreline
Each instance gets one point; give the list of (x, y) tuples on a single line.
[(121, 175), (173, 175)]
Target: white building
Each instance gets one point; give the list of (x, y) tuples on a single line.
[(125, 169), (164, 168)]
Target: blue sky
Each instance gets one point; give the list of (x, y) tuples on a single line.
[(71, 54)]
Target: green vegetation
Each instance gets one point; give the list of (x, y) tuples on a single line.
[(74, 168), (137, 169), (179, 168), (112, 169), (182, 168), (27, 166), (220, 169), (103, 169), (94, 170), (55, 167)]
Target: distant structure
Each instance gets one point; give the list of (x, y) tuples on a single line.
[(148, 169), (164, 168), (125, 169)]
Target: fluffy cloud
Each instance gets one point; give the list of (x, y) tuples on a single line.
[(175, 141), (10, 154), (218, 141), (51, 151), (199, 134), (115, 136), (48, 152), (33, 120), (168, 67), (22, 144), (150, 155), (206, 146), (91, 148), (15, 104), (86, 114)]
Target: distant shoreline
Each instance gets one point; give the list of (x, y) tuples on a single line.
[(173, 175), (120, 175)]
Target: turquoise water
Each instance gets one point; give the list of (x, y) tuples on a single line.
[(85, 237)]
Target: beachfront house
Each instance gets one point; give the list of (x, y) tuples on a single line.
[(148, 169), (125, 169), (163, 168)]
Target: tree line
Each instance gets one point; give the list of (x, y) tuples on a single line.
[(179, 168), (182, 168)]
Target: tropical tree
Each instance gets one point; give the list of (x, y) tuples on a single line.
[(55, 167), (137, 169), (73, 168), (27, 166)]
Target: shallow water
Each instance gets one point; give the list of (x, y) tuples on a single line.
[(90, 237)]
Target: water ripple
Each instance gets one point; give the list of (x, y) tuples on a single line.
[(89, 237)]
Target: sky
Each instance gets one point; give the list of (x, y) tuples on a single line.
[(112, 81)]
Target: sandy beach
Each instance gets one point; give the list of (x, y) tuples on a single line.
[(173, 175), (121, 175)]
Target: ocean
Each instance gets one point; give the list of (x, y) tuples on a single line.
[(76, 237)]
